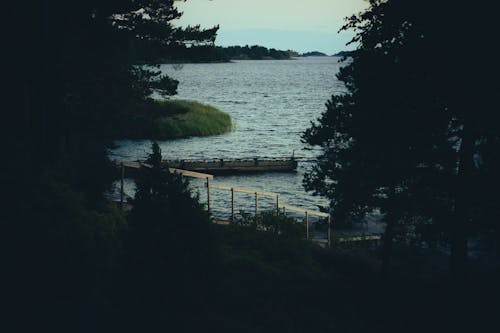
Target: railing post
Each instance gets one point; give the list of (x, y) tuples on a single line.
[(256, 207), (122, 194), (307, 225), (232, 204), (284, 211), (208, 194), (277, 204)]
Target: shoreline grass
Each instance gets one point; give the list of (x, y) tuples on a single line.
[(189, 118), (172, 119)]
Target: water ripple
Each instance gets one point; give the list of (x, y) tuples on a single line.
[(272, 103)]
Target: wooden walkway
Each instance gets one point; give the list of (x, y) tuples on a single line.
[(234, 166), (281, 208), (134, 166)]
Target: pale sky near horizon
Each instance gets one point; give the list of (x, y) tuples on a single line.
[(301, 25)]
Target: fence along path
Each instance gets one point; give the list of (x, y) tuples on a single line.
[(280, 207)]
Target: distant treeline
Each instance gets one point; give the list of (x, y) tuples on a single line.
[(147, 52), (255, 52), (314, 54), (344, 54)]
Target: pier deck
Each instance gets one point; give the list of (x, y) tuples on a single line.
[(247, 165)]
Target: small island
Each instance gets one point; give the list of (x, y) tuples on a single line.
[(314, 54), (173, 119)]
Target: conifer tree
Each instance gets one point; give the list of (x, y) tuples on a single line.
[(405, 135), (169, 247)]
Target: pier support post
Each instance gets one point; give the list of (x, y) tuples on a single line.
[(284, 211), (208, 194), (307, 225), (232, 204), (256, 207), (122, 194)]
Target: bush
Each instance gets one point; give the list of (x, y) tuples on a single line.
[(169, 243)]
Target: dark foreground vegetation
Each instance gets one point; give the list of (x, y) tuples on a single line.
[(170, 119), (164, 265), (416, 136)]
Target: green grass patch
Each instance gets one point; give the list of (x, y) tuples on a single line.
[(179, 119), (170, 119)]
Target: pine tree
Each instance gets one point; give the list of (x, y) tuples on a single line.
[(405, 136), (169, 247)]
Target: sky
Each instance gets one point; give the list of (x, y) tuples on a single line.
[(300, 25)]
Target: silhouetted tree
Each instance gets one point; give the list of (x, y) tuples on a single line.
[(169, 245), (69, 76), (402, 139), (73, 76)]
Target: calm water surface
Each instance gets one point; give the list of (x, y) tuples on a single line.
[(271, 104)]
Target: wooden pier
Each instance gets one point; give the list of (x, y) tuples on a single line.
[(233, 166), (132, 167)]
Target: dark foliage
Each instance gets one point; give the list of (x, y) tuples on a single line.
[(70, 261), (169, 247), (408, 134), (68, 77)]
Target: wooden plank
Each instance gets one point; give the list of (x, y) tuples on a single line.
[(221, 187), (217, 165), (191, 174), (185, 173), (302, 210), (234, 165)]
